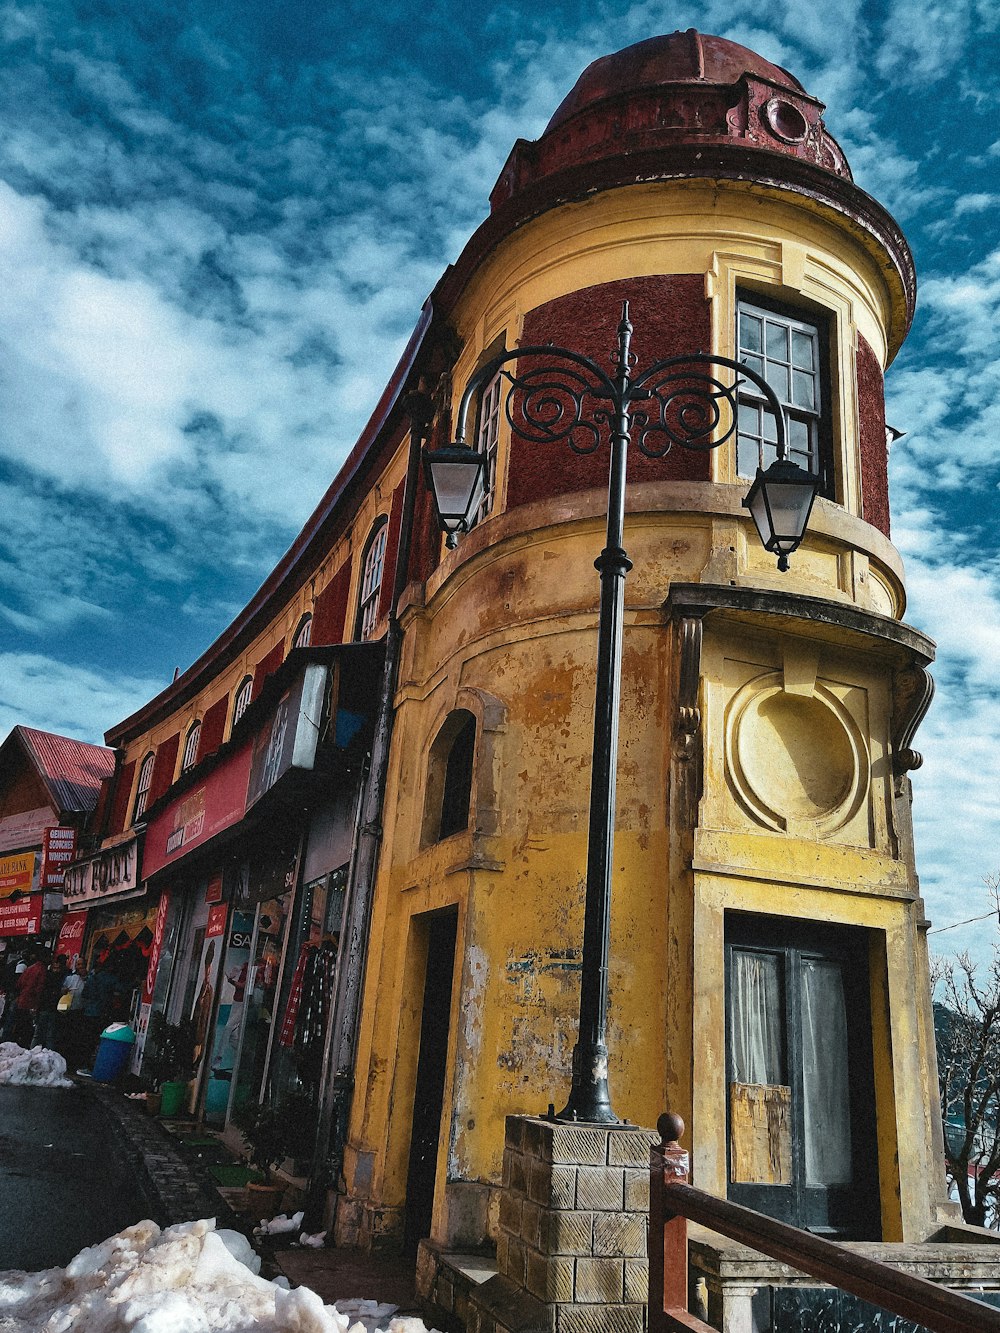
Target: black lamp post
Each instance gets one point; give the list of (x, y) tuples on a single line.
[(683, 402)]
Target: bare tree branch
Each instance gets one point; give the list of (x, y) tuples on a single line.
[(967, 1026)]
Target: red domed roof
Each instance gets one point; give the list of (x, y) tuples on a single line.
[(682, 94), (678, 57)]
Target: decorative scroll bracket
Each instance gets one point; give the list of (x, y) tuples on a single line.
[(688, 720), (912, 692)]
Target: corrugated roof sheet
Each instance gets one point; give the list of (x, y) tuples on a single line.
[(72, 770)]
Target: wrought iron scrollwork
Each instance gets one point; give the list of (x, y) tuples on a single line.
[(682, 401), (546, 405), (564, 398), (696, 409)]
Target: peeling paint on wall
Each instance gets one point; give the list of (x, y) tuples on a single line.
[(474, 979)]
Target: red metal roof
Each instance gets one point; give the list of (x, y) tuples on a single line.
[(71, 770)]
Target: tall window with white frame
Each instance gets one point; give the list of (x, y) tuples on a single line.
[(303, 635), (788, 352), (143, 786), (242, 700), (487, 441), (191, 747), (371, 582)]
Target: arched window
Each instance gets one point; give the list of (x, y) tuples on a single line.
[(449, 777), (488, 440), (191, 747), (142, 790), (243, 695), (371, 581), (303, 634)]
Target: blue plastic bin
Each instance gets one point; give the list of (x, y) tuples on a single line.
[(113, 1052)]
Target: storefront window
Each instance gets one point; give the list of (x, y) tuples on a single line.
[(261, 998)]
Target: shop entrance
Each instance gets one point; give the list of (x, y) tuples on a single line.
[(428, 1095)]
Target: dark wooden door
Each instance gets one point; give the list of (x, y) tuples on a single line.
[(428, 1098), (801, 1107)]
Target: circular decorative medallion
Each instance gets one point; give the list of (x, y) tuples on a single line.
[(785, 120), (795, 760)]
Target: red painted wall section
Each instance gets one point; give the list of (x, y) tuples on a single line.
[(671, 317), (391, 550), (267, 665), (213, 728), (871, 431), (330, 608), (123, 790), (163, 767), (425, 552)]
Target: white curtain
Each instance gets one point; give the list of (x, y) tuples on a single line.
[(826, 1095), (756, 1036)]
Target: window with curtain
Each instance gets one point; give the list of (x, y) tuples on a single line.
[(801, 1096)]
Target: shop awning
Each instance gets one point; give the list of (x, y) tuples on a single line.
[(314, 710)]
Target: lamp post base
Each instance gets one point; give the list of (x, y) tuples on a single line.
[(589, 1099)]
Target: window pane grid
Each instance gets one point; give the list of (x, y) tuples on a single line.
[(242, 699), (142, 791), (191, 747), (371, 583), (488, 442), (785, 352)]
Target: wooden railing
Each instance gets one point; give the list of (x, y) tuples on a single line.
[(673, 1202)]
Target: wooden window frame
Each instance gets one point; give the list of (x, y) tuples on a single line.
[(142, 787), (190, 756), (818, 456), (372, 573)]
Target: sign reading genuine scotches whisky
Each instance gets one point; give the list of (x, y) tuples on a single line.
[(111, 874)]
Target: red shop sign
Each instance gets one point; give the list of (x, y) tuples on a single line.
[(71, 934), (203, 811), (58, 849), (21, 917), (156, 947), (216, 920)]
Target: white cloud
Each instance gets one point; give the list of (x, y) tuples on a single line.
[(39, 691)]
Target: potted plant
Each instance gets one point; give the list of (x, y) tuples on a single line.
[(272, 1132), (168, 1064)]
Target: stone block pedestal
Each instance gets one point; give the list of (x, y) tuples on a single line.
[(571, 1249)]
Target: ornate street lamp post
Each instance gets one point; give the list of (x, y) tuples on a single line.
[(677, 401)]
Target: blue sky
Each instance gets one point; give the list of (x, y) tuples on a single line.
[(218, 223)]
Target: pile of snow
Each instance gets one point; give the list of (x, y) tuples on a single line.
[(40, 1067), (189, 1277)]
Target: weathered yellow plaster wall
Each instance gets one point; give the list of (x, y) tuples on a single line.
[(507, 627)]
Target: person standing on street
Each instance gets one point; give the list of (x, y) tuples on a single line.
[(98, 994), (48, 1002), (75, 1050), (27, 995)]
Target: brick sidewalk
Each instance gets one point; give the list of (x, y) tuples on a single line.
[(178, 1190)]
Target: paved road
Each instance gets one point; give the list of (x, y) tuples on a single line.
[(63, 1182)]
